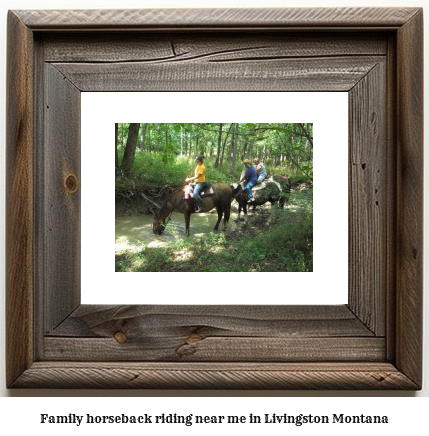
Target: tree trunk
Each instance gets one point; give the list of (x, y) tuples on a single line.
[(243, 153), (144, 127), (252, 141), (234, 148), (224, 144), (130, 148), (158, 138), (116, 147), (306, 133), (219, 145)]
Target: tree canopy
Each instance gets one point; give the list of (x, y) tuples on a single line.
[(288, 145)]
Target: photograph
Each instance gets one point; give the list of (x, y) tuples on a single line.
[(208, 197)]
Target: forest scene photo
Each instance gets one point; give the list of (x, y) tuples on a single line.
[(161, 227)]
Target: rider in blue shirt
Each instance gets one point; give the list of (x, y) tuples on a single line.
[(250, 177)]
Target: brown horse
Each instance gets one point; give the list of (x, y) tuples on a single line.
[(221, 200), (277, 190)]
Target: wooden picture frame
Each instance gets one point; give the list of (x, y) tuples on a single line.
[(373, 342)]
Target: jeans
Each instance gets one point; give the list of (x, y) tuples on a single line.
[(249, 187), (198, 188), (261, 179)]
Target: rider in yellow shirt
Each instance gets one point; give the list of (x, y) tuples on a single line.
[(200, 179)]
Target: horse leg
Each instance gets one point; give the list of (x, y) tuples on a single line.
[(226, 215), (239, 212), (282, 202), (219, 217), (187, 222), (245, 213)]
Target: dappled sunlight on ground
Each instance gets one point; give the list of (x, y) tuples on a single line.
[(183, 255), (123, 244), (199, 235), (132, 232)]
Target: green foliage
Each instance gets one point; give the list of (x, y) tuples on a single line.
[(286, 144), (151, 174), (289, 242)]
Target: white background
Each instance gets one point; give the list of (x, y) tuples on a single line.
[(326, 285), (21, 414)]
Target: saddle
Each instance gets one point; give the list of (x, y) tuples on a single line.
[(263, 184), (189, 191), (208, 190)]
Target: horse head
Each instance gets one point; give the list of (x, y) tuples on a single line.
[(158, 224), (236, 189)]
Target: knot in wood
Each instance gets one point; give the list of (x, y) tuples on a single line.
[(193, 338), (120, 337), (71, 183)]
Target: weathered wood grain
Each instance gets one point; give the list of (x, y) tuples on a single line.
[(61, 206), (301, 74), (391, 193), (177, 347), (213, 333), (178, 47), (19, 200), (409, 278), (248, 376), (186, 19), (99, 321), (368, 203), (207, 50)]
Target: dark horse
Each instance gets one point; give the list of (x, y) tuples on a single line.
[(277, 190), (221, 200)]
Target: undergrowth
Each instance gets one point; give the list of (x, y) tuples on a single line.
[(155, 177)]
